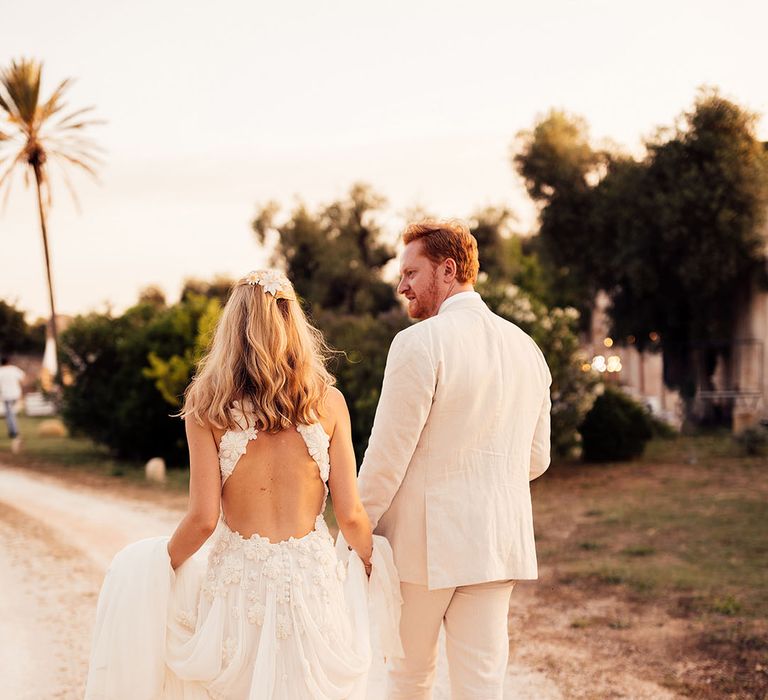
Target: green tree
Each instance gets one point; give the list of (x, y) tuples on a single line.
[(492, 229), (16, 335), (506, 256), (218, 288), (674, 238), (555, 156), (559, 167), (334, 256), (35, 133), (686, 231), (152, 294)]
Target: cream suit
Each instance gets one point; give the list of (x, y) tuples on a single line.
[(461, 428)]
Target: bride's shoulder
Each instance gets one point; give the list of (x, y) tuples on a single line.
[(334, 409), (200, 431), (334, 402)]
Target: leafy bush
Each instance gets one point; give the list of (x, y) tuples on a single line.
[(195, 316), (753, 441), (661, 429), (16, 335), (115, 396), (616, 428)]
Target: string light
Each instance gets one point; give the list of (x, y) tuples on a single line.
[(601, 363)]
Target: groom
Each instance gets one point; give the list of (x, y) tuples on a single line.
[(461, 427)]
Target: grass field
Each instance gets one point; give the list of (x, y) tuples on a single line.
[(682, 533), (78, 454), (696, 530), (658, 565)]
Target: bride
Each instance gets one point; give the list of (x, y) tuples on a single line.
[(265, 609)]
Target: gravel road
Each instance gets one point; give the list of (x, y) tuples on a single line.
[(57, 537)]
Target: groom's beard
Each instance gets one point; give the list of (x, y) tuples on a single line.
[(426, 304)]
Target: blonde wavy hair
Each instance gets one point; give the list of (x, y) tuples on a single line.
[(266, 358)]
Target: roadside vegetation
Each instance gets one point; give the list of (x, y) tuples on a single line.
[(680, 539)]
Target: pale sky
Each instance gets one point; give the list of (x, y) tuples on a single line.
[(215, 108)]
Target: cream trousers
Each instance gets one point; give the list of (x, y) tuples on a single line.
[(476, 637)]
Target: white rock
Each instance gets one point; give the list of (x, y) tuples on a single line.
[(154, 470)]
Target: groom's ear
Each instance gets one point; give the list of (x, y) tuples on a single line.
[(450, 269)]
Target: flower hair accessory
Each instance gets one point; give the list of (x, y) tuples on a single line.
[(272, 282)]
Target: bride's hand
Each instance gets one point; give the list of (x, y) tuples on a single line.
[(367, 565)]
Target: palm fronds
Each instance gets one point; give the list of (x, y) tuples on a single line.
[(38, 131)]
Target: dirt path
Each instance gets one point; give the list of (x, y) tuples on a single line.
[(57, 538), (55, 544)]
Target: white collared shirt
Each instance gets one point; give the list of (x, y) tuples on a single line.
[(457, 297), (11, 378)]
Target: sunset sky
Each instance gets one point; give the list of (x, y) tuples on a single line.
[(214, 108)]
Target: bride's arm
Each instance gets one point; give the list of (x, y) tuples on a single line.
[(347, 507), (204, 495)]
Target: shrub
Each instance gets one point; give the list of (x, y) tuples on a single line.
[(115, 397), (616, 428), (661, 429), (753, 441), (16, 335)]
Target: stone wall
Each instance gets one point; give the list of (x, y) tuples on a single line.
[(751, 370)]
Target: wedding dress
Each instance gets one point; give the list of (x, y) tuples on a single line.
[(245, 618)]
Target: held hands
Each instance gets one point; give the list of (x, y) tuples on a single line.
[(367, 565)]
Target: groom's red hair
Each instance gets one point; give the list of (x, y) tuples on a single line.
[(447, 239)]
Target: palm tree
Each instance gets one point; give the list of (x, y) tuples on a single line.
[(36, 133)]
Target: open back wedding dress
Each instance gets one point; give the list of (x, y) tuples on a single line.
[(245, 618)]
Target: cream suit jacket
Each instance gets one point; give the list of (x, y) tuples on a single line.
[(461, 428)]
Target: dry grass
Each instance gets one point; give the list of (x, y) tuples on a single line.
[(82, 459), (681, 539)]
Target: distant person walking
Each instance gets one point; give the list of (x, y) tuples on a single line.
[(11, 378)]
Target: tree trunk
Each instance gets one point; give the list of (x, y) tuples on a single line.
[(44, 230)]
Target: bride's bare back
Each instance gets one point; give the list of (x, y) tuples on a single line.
[(275, 489)]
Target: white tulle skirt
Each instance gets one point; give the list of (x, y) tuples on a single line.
[(242, 619)]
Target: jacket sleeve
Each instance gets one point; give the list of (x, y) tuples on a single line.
[(410, 380), (540, 447)]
